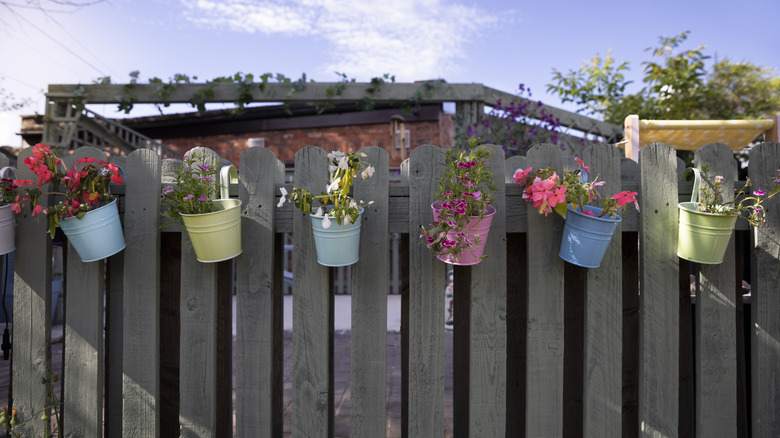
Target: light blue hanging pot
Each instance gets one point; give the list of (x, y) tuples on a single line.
[(97, 235), (7, 228), (586, 238), (339, 244)]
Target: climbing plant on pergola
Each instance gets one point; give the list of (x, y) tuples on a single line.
[(64, 102)]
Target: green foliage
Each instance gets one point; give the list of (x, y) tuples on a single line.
[(194, 191), (128, 99), (677, 85)]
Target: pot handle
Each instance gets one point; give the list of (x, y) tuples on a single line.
[(696, 183), (584, 174), (227, 175), (5, 169)]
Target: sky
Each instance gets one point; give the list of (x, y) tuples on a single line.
[(500, 44)]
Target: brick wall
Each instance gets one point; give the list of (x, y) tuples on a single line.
[(284, 143)]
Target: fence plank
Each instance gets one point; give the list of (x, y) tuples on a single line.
[(488, 336), (83, 363), (716, 312), (141, 302), (198, 350), (370, 285), (312, 397), (258, 298), (602, 380), (765, 307), (659, 300), (425, 388), (32, 311), (544, 373)]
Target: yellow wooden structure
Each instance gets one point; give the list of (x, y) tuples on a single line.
[(690, 135)]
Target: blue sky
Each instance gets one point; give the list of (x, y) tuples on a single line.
[(497, 43)]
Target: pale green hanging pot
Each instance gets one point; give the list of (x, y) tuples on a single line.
[(702, 237), (216, 236)]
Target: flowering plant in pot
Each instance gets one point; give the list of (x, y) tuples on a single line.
[(568, 196), (706, 222), (462, 211), (85, 209), (201, 204), (8, 195), (334, 213)]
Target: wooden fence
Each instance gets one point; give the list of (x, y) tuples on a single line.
[(542, 348)]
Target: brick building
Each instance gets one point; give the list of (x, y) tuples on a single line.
[(343, 128)]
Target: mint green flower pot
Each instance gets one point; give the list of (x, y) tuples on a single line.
[(97, 235), (7, 230), (339, 244), (216, 236), (703, 237)]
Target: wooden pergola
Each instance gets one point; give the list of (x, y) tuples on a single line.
[(470, 101)]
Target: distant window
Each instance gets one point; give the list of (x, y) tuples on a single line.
[(257, 142)]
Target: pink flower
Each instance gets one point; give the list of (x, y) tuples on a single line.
[(582, 165), (623, 198), (589, 213), (521, 176), (759, 193)]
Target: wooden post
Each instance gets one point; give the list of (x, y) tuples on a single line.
[(774, 133), (425, 361), (659, 300), (544, 357), (141, 298), (312, 394), (368, 377), (631, 133), (258, 298), (716, 328), (765, 305)]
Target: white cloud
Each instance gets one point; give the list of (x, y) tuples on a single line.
[(409, 38)]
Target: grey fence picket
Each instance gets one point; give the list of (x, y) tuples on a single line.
[(487, 321), (141, 297), (716, 327), (544, 348), (658, 300), (258, 299), (312, 410), (32, 307), (602, 374), (424, 381), (370, 284), (83, 363), (198, 320), (114, 309), (765, 305)]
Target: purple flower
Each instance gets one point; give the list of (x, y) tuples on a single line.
[(205, 166), (203, 198), (430, 240), (188, 197), (449, 243), (759, 193), (206, 178)]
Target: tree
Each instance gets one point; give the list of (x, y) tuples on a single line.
[(677, 86)]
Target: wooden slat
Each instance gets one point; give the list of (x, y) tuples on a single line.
[(659, 304), (488, 336), (425, 361), (258, 297), (83, 363), (544, 356), (141, 303), (32, 311), (312, 410), (368, 376), (198, 349), (765, 307), (602, 380), (716, 328)]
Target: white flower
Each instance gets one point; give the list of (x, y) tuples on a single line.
[(344, 162), (346, 220), (335, 154), (332, 168), (333, 185), (283, 198), (319, 212), (326, 222), (368, 172), (352, 204)]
